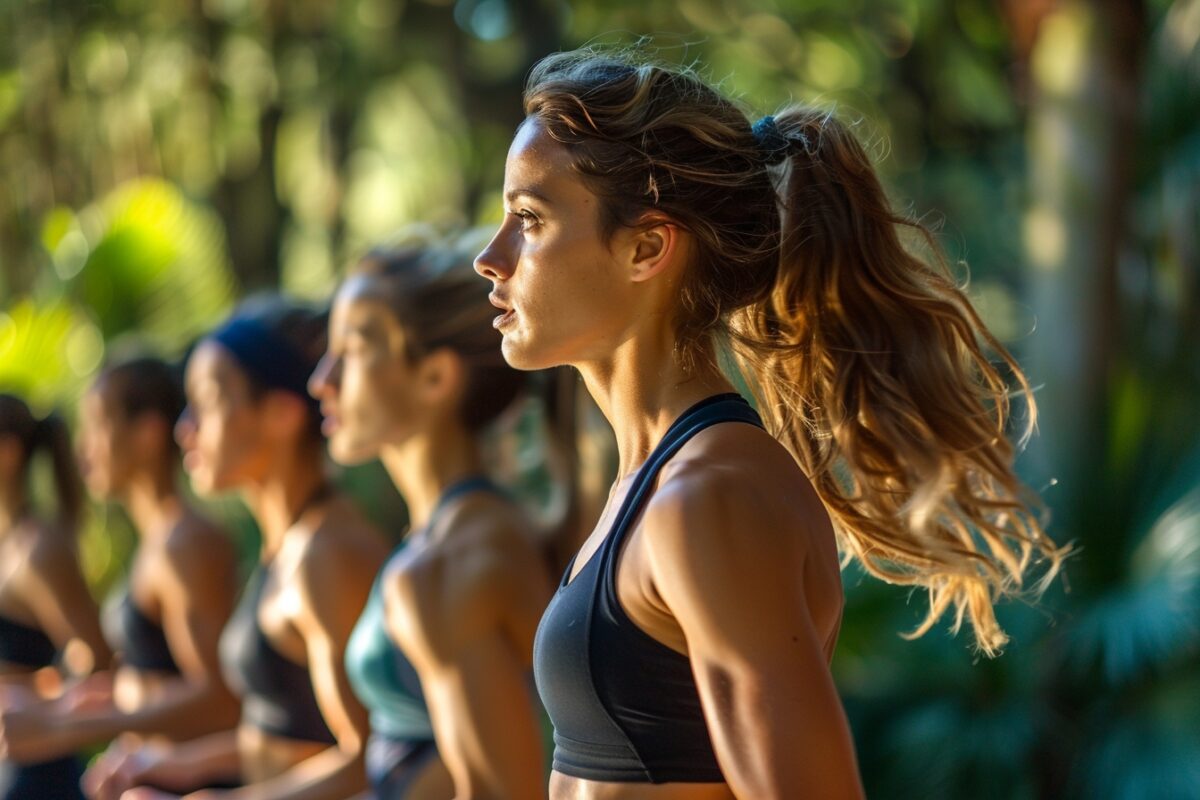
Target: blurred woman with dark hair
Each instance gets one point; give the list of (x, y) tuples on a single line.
[(48, 620), (251, 427), (412, 376), (165, 621)]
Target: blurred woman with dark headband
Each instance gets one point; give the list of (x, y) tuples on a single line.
[(48, 620), (250, 426), (412, 376), (164, 622)]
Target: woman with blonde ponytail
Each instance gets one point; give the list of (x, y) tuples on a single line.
[(49, 625), (651, 231)]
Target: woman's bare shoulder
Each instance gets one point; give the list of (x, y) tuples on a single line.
[(44, 544), (481, 569), (739, 471), (735, 499), (339, 544), (197, 538)]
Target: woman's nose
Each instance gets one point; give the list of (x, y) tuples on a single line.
[(324, 377), (495, 263), (185, 427)]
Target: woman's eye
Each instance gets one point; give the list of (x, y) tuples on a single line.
[(528, 220)]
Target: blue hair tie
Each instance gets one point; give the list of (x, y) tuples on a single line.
[(773, 145), (270, 359)]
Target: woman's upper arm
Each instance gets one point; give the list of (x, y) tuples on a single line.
[(63, 604), (335, 591), (727, 560), (196, 599), (484, 721), (477, 683)]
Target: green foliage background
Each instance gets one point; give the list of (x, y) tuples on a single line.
[(160, 159)]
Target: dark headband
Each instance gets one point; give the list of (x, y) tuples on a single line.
[(270, 359)]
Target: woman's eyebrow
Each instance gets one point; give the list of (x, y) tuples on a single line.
[(512, 194)]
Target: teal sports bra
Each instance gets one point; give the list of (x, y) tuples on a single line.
[(382, 677)]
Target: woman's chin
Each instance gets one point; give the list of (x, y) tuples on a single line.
[(518, 354), (350, 453), (203, 483)]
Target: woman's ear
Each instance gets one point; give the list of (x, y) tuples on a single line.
[(654, 245), (150, 434), (441, 377), (283, 413)]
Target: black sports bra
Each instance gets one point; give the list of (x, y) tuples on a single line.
[(625, 707), (277, 693), (138, 640), (25, 645)]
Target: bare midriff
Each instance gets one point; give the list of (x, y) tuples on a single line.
[(564, 787), (264, 755)]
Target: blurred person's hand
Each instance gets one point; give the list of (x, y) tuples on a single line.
[(92, 693), (35, 729), (130, 764), (143, 793)]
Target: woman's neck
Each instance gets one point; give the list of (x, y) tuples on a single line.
[(14, 504), (279, 499), (643, 388), (154, 503), (423, 466)]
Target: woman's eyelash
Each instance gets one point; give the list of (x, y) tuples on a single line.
[(527, 217)]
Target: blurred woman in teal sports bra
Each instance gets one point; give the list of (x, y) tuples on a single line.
[(442, 654)]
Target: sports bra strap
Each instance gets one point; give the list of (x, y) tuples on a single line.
[(728, 407), (463, 486)]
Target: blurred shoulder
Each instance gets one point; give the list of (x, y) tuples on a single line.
[(198, 542), (44, 544), (341, 543)]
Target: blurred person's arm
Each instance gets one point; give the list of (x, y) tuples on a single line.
[(174, 767), (196, 600), (64, 608), (472, 644)]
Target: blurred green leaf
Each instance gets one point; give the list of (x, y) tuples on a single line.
[(158, 265)]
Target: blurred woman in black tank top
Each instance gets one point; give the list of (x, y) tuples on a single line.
[(49, 629), (251, 427), (164, 620)]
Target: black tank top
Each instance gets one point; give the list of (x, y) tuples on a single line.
[(138, 640), (625, 707), (276, 692), (25, 645)]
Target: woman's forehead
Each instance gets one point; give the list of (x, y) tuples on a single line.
[(362, 304), (542, 169), (535, 158), (210, 361)]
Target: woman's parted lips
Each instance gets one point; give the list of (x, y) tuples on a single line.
[(500, 302)]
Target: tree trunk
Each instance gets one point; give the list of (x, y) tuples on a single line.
[(1084, 87)]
